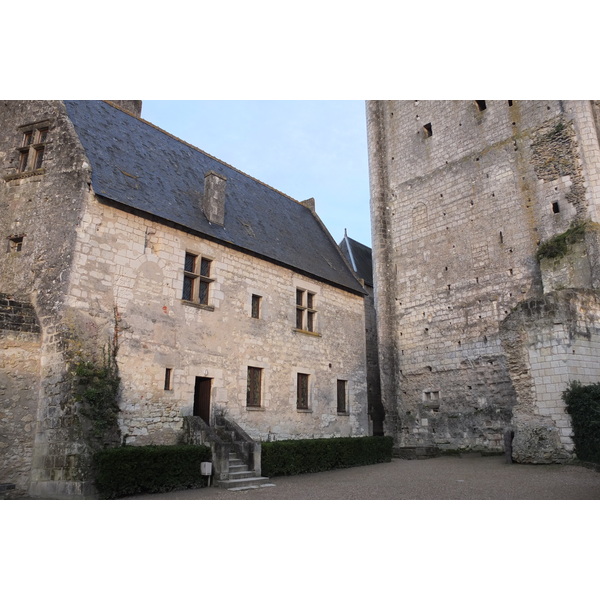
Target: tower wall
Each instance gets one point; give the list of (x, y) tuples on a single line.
[(462, 193)]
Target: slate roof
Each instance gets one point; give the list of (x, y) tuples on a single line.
[(143, 167), (360, 257)]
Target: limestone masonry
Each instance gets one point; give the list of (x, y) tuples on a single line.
[(480, 331), (217, 294)]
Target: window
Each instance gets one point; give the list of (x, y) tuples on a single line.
[(253, 392), (427, 130), (481, 105), (196, 279), (302, 391), (168, 379), (255, 311), (342, 389), (31, 152), (306, 314), (15, 243)]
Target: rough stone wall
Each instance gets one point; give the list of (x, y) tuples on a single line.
[(461, 196), (549, 342), (19, 385), (136, 265), (42, 206)]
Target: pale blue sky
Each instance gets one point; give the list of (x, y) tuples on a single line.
[(302, 148)]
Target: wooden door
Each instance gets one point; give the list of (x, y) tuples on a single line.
[(202, 399)]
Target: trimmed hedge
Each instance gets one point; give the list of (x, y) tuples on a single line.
[(293, 457), (583, 404), (149, 469)]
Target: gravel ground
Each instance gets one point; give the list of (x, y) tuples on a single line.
[(466, 477)]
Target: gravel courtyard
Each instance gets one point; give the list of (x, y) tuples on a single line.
[(466, 477)]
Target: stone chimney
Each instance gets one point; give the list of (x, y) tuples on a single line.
[(131, 106), (213, 199)]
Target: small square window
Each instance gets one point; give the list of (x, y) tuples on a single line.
[(15, 243), (427, 130), (481, 105), (255, 310)]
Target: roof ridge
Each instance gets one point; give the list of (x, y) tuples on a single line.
[(113, 105)]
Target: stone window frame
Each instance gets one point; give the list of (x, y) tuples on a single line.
[(31, 152), (431, 399), (197, 280), (306, 312)]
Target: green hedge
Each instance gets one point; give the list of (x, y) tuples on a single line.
[(149, 469), (583, 404), (292, 457)]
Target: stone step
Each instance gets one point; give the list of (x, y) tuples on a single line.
[(241, 474), (237, 468), (245, 483)]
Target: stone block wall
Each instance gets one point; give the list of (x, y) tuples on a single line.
[(135, 266), (550, 342), (462, 193), (39, 211), (19, 388)]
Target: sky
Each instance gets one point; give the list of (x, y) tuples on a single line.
[(305, 149)]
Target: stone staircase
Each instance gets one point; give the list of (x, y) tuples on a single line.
[(241, 477), (236, 457)]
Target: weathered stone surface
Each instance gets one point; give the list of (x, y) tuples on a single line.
[(462, 194), (83, 277)]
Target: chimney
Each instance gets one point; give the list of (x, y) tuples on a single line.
[(310, 204), (131, 106), (213, 199)]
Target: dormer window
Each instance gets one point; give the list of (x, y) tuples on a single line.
[(31, 151)]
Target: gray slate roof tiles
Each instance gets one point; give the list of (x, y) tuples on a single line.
[(142, 167)]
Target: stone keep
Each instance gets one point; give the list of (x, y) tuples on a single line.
[(120, 237), (479, 332)]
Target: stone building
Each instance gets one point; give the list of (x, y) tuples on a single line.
[(214, 293), (485, 243), (360, 259)]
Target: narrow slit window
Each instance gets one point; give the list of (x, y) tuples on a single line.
[(427, 130), (168, 379), (255, 310), (481, 105), (342, 394), (555, 208)]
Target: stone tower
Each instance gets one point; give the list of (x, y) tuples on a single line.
[(480, 331)]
